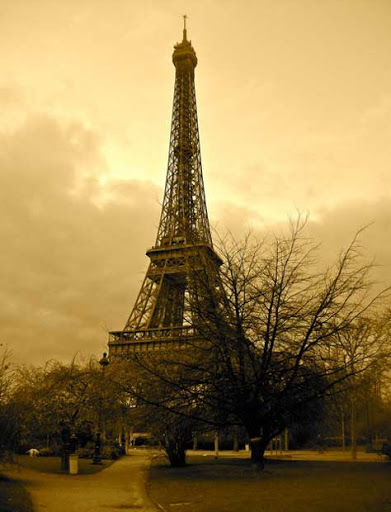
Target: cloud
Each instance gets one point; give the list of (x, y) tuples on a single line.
[(10, 95), (333, 228), (69, 269), (311, 168), (337, 227), (71, 265)]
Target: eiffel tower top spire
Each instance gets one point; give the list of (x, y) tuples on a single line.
[(184, 217), (184, 28)]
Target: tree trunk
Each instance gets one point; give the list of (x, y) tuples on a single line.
[(176, 452), (369, 422), (216, 443), (343, 430), (235, 441), (257, 452), (127, 437), (353, 432), (65, 460)]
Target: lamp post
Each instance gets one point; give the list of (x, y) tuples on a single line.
[(98, 442)]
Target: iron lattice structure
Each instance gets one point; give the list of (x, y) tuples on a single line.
[(163, 315)]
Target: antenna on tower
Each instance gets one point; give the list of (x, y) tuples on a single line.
[(184, 27)]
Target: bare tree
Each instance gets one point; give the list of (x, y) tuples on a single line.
[(61, 402), (6, 373), (364, 348), (267, 335), (9, 414)]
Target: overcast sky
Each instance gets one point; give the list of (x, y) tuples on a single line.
[(294, 105)]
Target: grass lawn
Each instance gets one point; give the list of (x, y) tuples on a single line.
[(13, 497), (53, 464), (230, 485)]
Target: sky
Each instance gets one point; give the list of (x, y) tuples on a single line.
[(294, 107)]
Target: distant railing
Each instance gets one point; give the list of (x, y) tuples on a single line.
[(161, 333)]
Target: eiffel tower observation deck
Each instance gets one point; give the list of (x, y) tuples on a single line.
[(164, 315)]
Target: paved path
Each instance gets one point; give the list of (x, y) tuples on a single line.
[(119, 487)]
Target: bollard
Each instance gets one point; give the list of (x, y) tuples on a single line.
[(73, 464)]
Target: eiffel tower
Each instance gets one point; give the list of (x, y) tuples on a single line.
[(162, 317)]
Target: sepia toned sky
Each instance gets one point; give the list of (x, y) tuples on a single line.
[(294, 105)]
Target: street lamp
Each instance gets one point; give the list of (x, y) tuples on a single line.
[(97, 449)]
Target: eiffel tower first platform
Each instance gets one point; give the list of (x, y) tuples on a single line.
[(164, 316)]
